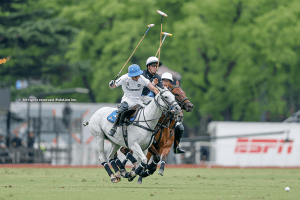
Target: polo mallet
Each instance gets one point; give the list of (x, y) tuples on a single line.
[(149, 26), (166, 34), (162, 16)]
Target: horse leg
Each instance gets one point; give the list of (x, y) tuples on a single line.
[(102, 158), (162, 166), (164, 154), (111, 156), (139, 152), (140, 177), (146, 173), (120, 165), (140, 180), (128, 155), (151, 152), (132, 159), (134, 167), (156, 157)]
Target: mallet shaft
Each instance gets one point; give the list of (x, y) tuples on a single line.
[(149, 26)]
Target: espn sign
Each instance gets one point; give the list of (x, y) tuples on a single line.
[(262, 146)]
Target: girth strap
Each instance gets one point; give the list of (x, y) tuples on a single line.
[(141, 126), (125, 135)]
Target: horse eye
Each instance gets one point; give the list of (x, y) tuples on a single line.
[(166, 97)]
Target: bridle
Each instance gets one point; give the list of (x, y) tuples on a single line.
[(181, 103), (169, 104), (165, 110)]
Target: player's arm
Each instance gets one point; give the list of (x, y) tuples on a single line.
[(153, 88), (113, 84)]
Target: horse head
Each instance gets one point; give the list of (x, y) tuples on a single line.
[(180, 97), (167, 100)]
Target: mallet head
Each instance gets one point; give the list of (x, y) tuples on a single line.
[(167, 34), (162, 13), (150, 25)]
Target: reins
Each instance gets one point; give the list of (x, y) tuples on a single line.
[(165, 111)]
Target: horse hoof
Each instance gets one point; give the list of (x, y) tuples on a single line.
[(139, 182), (114, 180), (161, 172)]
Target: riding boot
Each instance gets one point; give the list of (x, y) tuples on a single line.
[(115, 126), (179, 129), (122, 108)]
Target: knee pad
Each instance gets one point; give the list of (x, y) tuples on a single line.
[(123, 106)]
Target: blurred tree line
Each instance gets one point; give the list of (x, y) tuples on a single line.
[(238, 59)]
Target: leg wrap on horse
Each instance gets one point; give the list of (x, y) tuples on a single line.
[(152, 165), (124, 150), (162, 166), (124, 162), (130, 157), (119, 163), (145, 174), (148, 173), (114, 165), (106, 166), (151, 171), (141, 167)]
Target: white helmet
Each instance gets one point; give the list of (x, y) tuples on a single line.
[(167, 76), (151, 60)]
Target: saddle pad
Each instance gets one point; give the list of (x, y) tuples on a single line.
[(113, 115), (151, 94)]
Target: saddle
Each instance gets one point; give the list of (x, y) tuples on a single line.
[(127, 118), (128, 115)]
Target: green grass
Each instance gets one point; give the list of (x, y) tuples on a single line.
[(177, 183)]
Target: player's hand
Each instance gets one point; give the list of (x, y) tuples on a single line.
[(155, 81), (111, 83)]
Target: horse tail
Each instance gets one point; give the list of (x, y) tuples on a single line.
[(86, 123)]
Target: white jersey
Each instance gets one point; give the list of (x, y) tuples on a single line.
[(132, 89)]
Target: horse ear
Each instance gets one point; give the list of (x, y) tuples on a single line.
[(177, 82)]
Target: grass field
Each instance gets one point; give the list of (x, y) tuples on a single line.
[(177, 183)]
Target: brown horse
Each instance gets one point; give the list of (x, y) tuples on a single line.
[(164, 138), (167, 134)]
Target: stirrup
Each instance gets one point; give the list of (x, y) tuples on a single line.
[(112, 132), (177, 150)]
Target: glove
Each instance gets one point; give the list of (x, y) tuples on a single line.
[(111, 83)]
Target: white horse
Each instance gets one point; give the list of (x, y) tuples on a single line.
[(140, 136)]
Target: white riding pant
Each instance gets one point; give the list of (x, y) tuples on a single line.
[(132, 101)]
